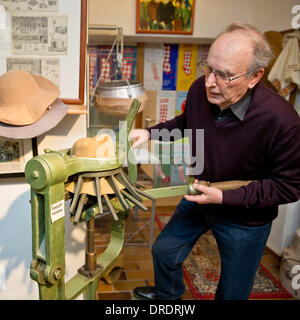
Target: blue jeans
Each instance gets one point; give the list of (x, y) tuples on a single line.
[(240, 247)]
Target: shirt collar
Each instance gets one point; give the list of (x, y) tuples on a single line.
[(240, 108)]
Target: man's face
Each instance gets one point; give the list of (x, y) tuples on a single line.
[(230, 54)]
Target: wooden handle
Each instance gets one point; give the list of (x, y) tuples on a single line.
[(223, 185)]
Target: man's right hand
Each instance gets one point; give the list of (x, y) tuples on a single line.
[(139, 135)]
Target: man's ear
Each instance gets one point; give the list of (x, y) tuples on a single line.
[(255, 77)]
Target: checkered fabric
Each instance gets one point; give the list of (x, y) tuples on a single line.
[(166, 59), (126, 70), (105, 70), (163, 111), (187, 62), (92, 67)]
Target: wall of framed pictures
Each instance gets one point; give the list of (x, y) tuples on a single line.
[(46, 38), (14, 153)]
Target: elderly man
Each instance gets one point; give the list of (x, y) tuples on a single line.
[(250, 133)]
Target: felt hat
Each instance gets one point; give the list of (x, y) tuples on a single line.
[(51, 117), (100, 146), (24, 97)]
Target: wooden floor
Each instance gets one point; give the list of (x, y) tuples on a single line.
[(138, 267)]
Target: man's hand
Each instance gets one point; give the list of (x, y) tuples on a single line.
[(209, 195), (139, 135)]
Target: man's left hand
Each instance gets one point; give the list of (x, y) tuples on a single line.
[(209, 195)]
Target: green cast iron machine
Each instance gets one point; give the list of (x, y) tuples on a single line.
[(48, 176)]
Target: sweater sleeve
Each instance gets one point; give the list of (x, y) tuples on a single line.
[(282, 182)]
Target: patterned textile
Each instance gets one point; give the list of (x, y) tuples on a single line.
[(92, 66), (105, 70), (163, 111), (126, 70), (187, 62), (166, 59), (203, 265)]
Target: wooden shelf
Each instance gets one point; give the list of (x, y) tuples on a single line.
[(96, 39), (77, 109)]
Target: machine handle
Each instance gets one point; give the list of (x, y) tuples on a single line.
[(224, 185)]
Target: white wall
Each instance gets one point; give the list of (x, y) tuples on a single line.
[(210, 16), (15, 240), (15, 220)]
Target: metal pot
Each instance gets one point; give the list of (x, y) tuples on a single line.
[(115, 97), (120, 89)]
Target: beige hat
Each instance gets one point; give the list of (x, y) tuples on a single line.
[(51, 117), (25, 97), (100, 146)]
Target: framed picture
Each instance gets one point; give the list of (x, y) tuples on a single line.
[(14, 154), (47, 38), (165, 16)]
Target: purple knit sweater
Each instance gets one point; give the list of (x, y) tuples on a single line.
[(265, 146)]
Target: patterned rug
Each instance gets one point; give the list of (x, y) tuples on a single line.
[(202, 269)]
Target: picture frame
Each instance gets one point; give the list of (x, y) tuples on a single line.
[(14, 153), (82, 57), (165, 16), (59, 45)]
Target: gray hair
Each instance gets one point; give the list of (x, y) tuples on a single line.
[(262, 52)]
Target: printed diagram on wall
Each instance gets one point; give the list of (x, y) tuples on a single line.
[(38, 29), (30, 5), (46, 67), (39, 35)]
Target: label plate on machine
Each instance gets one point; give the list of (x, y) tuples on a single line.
[(57, 211)]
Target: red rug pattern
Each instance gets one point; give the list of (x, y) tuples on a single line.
[(203, 265)]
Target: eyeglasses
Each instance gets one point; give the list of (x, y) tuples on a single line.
[(222, 78)]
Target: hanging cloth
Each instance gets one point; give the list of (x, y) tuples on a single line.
[(285, 73)]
